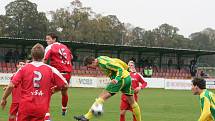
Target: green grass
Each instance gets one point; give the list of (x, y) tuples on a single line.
[(156, 105)]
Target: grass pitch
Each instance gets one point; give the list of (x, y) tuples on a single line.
[(155, 104)]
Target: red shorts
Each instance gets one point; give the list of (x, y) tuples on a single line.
[(67, 76), (124, 105), (14, 108), (24, 117)]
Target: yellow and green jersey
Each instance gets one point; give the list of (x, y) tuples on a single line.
[(207, 102), (113, 67)]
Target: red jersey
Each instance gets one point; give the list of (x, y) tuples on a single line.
[(60, 57), (36, 80), (137, 81), (16, 93)]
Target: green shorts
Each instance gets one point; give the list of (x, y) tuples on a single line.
[(123, 85)]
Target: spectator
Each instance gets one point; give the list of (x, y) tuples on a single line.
[(203, 74), (193, 68), (145, 72), (148, 71)]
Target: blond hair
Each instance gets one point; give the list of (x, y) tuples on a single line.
[(37, 52)]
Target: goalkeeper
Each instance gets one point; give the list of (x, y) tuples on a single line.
[(120, 81)]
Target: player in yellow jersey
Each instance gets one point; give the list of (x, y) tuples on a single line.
[(207, 99), (116, 70)]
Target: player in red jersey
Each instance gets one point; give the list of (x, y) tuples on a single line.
[(16, 93), (60, 57), (36, 80), (138, 83)]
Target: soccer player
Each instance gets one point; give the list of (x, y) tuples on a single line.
[(36, 80), (138, 83), (120, 81), (16, 93), (60, 57), (207, 99)]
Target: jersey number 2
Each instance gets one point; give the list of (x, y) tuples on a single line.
[(37, 78)]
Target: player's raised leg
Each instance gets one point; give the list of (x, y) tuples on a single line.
[(89, 115)]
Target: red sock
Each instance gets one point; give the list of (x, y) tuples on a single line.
[(122, 117), (47, 117), (12, 119), (134, 118), (64, 102)]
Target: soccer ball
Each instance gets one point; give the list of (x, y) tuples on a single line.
[(97, 109)]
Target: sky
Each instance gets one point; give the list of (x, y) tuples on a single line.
[(188, 15)]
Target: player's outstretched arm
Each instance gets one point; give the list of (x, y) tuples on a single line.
[(6, 93), (141, 80)]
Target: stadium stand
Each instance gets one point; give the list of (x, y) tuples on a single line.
[(157, 57), (79, 70)]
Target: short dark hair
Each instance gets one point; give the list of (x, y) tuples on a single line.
[(53, 36), (37, 52), (200, 82), (88, 60), (20, 60)]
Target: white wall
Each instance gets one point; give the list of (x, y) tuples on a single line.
[(101, 82)]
